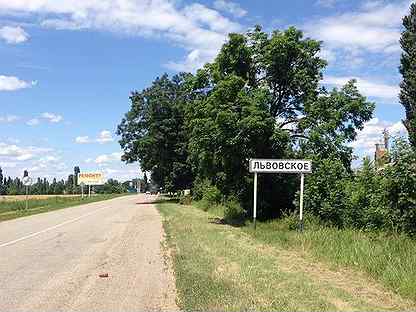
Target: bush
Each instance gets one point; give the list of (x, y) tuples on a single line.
[(370, 198), (212, 195), (233, 212), (325, 192), (185, 200), (399, 189), (205, 191)]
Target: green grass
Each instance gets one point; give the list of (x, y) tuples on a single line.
[(388, 259), (16, 209), (223, 268)]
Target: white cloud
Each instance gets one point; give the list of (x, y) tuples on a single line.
[(193, 27), (326, 3), (105, 137), (17, 153), (192, 61), (82, 139), (33, 122), (48, 117), (7, 164), (8, 118), (108, 158), (51, 117), (44, 161), (11, 83), (374, 28), (372, 133), (367, 87), (13, 140), (328, 55), (230, 7), (13, 35)]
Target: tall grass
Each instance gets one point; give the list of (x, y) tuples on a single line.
[(390, 259), (232, 268)]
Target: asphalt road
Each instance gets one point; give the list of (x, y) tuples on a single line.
[(52, 261)]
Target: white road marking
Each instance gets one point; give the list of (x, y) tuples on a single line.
[(50, 228)]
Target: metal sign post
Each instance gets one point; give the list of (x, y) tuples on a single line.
[(280, 166), (82, 189), (255, 200), (27, 197), (302, 180), (27, 181)]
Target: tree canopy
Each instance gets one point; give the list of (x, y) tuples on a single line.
[(408, 71), (153, 132), (260, 98)]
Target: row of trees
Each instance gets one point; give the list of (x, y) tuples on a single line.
[(10, 186), (261, 98), (371, 198)]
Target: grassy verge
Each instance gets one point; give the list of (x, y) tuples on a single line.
[(16, 209), (388, 259), (224, 268)]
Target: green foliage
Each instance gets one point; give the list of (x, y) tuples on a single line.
[(325, 191), (2, 186), (408, 71), (111, 187), (259, 98), (212, 195), (369, 199), (254, 102), (199, 188), (332, 121), (185, 200), (206, 194), (15, 186), (399, 185), (233, 212), (153, 132)]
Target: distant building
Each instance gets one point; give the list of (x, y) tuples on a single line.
[(381, 156)]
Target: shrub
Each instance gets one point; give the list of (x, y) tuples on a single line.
[(291, 221), (370, 198), (233, 212), (399, 188), (185, 200), (203, 205), (212, 195), (325, 191), (205, 191)]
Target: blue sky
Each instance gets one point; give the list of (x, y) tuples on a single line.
[(67, 67)]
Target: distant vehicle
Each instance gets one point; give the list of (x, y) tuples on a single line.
[(147, 193), (153, 192)]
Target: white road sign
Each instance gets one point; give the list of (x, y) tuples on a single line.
[(257, 166), (27, 181), (280, 166)]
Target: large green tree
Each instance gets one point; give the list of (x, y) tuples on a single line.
[(153, 132), (262, 98), (408, 70)]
